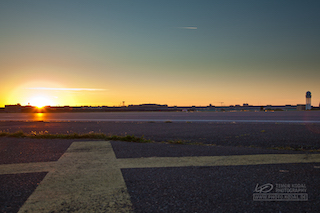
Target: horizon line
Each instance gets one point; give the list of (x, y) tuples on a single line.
[(163, 105)]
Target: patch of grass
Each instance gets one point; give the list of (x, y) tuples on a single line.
[(283, 148), (129, 138), (210, 144), (306, 149), (180, 141), (18, 134), (176, 141), (3, 134), (90, 135)]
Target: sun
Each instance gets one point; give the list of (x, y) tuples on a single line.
[(40, 101)]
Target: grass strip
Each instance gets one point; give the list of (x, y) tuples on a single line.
[(91, 135)]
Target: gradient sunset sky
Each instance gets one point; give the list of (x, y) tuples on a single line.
[(177, 52)]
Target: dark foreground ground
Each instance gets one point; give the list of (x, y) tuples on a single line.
[(177, 189)]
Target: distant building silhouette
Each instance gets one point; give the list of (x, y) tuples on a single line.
[(13, 108)]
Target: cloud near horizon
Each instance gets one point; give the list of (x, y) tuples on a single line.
[(66, 89)]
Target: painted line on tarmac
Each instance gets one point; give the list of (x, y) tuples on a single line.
[(27, 167), (87, 177), (233, 160)]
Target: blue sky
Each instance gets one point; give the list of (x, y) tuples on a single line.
[(166, 52)]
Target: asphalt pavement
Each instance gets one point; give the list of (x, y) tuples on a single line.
[(232, 169), (102, 176), (265, 135)]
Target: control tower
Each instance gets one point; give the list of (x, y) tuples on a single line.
[(308, 100)]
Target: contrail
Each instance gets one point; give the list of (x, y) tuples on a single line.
[(188, 28)]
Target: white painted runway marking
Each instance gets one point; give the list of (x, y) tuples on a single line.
[(27, 167), (87, 177), (233, 160)]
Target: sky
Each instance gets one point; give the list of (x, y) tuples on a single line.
[(177, 52)]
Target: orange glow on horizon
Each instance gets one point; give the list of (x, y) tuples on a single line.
[(29, 92), (42, 92)]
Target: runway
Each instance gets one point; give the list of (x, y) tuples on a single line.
[(242, 117)]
